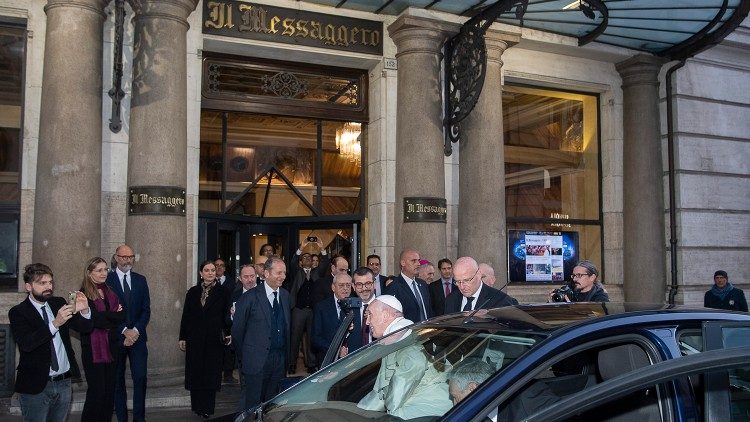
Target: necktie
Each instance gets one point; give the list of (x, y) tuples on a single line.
[(53, 358), (447, 288), (275, 301), (414, 289), (126, 288), (307, 274), (365, 327), (469, 299)]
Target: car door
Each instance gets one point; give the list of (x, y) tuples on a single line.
[(727, 396), (593, 403)]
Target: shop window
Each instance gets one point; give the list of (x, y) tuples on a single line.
[(12, 57), (552, 174)]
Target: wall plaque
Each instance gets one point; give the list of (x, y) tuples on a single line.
[(291, 26), (156, 200), (425, 210)]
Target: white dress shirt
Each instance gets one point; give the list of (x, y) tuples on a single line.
[(473, 302)]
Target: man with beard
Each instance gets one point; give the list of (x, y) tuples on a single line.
[(40, 326), (585, 286), (132, 290)]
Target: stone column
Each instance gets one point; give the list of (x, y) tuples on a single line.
[(481, 208), (420, 170), (644, 264), (67, 220), (158, 157)]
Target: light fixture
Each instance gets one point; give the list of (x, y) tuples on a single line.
[(348, 141), (583, 6)]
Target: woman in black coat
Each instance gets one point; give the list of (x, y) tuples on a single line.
[(99, 347), (203, 334)]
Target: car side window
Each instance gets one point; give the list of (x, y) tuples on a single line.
[(582, 371)]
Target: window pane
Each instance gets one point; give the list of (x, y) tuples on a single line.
[(8, 244), (12, 44), (551, 154), (342, 168)]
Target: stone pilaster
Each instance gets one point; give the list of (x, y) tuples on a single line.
[(158, 156), (644, 265), (419, 134), (67, 224), (481, 215)]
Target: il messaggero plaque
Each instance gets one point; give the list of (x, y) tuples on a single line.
[(425, 210), (156, 200)]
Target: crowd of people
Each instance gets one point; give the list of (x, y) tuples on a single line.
[(260, 325)]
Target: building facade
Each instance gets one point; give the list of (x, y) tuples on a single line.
[(246, 123)]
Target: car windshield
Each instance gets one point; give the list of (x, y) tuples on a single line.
[(404, 375)]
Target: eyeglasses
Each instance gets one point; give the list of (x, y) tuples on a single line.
[(468, 280), (361, 285), (126, 256), (574, 276)]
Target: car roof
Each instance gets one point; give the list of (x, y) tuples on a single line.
[(551, 316)]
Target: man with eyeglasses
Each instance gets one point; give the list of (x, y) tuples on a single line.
[(472, 294), (322, 288), (584, 284), (364, 287), (327, 316), (132, 290)]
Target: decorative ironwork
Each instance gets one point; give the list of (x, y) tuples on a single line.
[(116, 93), (213, 77), (284, 85), (465, 67)]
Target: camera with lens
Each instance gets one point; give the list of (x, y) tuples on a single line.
[(559, 295), (349, 303)]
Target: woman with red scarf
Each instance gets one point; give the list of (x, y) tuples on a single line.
[(98, 348)]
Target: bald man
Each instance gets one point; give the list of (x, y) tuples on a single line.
[(488, 274), (410, 290), (471, 293)]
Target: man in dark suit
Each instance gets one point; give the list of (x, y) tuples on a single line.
[(223, 278), (40, 326), (410, 290), (442, 287), (304, 278), (260, 264), (260, 334), (132, 290), (327, 316), (373, 263), (472, 293), (322, 287), (248, 280)]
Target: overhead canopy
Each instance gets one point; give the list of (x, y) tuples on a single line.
[(670, 28)]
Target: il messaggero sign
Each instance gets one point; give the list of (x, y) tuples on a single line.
[(156, 200), (291, 26)]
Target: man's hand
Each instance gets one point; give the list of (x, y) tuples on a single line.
[(181, 345), (63, 315), (319, 243), (82, 303), (119, 307), (132, 335), (127, 342), (343, 351)]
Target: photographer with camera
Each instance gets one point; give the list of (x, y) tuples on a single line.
[(328, 315), (583, 286)]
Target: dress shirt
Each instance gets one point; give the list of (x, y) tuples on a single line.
[(222, 279), (269, 294), (120, 276), (474, 302), (376, 287), (450, 285)]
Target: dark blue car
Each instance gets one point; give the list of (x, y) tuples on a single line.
[(549, 362)]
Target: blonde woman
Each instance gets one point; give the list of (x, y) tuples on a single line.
[(99, 347)]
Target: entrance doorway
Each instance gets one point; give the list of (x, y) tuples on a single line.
[(240, 243)]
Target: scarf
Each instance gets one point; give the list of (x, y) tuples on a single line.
[(100, 336), (206, 291), (722, 293)]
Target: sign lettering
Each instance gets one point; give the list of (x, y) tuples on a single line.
[(156, 200), (291, 26), (430, 210)]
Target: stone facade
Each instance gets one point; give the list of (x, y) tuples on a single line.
[(712, 152)]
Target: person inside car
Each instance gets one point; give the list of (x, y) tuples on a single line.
[(408, 385)]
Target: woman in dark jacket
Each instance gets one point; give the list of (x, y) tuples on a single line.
[(99, 347), (203, 334)]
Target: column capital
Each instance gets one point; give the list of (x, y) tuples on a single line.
[(176, 10), (96, 6), (414, 34), (641, 69), (497, 42)]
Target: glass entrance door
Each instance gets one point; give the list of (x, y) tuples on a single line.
[(240, 243)]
